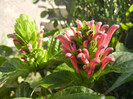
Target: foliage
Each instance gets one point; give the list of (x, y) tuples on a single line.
[(47, 73)]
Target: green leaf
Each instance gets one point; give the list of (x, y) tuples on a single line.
[(35, 1), (44, 13), (64, 67), (22, 98), (59, 79), (24, 90), (5, 51), (125, 77), (2, 60), (79, 92), (49, 33), (123, 63), (12, 68), (120, 47), (55, 23), (57, 2)]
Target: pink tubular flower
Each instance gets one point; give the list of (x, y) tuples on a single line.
[(107, 51), (24, 59), (69, 36), (85, 67), (88, 46), (64, 49), (99, 50), (106, 60), (29, 46), (104, 27), (92, 66), (90, 23), (85, 43), (23, 51), (17, 42), (39, 42), (110, 33), (74, 31), (73, 46), (12, 36), (64, 40), (83, 58), (79, 23), (73, 60), (97, 27), (85, 51)]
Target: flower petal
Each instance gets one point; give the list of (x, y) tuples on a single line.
[(110, 32), (97, 27), (64, 40), (73, 60), (107, 51), (85, 51), (92, 66), (85, 43), (106, 60), (104, 27)]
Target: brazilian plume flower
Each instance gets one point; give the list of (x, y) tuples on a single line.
[(86, 45)]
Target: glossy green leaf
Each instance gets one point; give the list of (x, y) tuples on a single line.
[(12, 68), (79, 92), (55, 23), (62, 67), (35, 1), (123, 62), (2, 60), (24, 90), (5, 50), (44, 13), (121, 48), (50, 33), (57, 2), (60, 79), (125, 77)]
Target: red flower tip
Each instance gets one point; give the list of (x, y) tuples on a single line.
[(92, 66), (29, 46), (64, 40), (85, 51), (110, 32), (107, 51), (73, 60), (17, 42), (97, 27), (83, 57), (74, 31), (85, 43), (23, 51), (79, 23), (104, 27), (106, 60)]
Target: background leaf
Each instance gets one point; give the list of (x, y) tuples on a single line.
[(24, 90), (79, 92), (125, 77), (5, 51), (59, 79), (123, 63), (2, 60), (43, 14), (12, 68)]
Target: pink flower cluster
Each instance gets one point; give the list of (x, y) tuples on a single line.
[(29, 46), (77, 45)]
